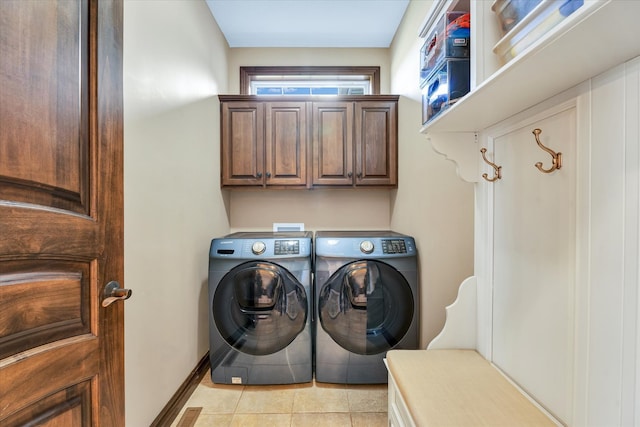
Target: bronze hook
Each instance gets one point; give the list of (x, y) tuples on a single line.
[(556, 158), (497, 169)]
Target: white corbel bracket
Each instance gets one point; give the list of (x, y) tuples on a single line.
[(460, 148)]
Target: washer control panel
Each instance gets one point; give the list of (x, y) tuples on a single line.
[(252, 245), (394, 246), (258, 247), (286, 247), (366, 246)]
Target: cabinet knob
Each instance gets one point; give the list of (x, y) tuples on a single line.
[(268, 174), (359, 175), (349, 174), (259, 174)]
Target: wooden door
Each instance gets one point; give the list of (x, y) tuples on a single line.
[(286, 143), (242, 143), (332, 141), (61, 213), (376, 146)]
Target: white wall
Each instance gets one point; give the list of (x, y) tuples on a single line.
[(375, 57), (175, 63), (432, 203), (319, 209), (343, 209)]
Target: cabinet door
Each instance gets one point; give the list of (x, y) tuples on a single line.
[(535, 261), (332, 143), (242, 144), (376, 147), (286, 143)]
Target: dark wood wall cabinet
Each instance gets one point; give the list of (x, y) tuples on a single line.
[(309, 142)]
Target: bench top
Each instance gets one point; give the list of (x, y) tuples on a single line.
[(459, 388)]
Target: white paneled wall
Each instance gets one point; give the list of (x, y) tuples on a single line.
[(610, 346), (558, 263), (557, 257), (534, 258)]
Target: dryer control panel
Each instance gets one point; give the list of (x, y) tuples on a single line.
[(286, 247), (394, 246), (364, 244)]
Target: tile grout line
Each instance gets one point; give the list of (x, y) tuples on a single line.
[(351, 396)]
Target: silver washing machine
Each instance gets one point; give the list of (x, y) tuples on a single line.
[(366, 302), (260, 308)]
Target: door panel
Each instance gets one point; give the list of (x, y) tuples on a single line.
[(55, 293), (332, 143), (242, 143), (46, 371), (65, 408), (41, 104), (286, 143), (61, 352), (375, 143)]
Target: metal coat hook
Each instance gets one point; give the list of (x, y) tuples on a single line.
[(497, 169), (556, 161)]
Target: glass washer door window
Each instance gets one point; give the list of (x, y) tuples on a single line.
[(366, 307), (259, 308)]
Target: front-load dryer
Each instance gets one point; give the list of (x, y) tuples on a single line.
[(366, 303), (260, 308)]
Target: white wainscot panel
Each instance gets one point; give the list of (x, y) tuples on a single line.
[(534, 260)]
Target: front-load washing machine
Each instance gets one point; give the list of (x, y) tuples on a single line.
[(366, 302), (260, 308)]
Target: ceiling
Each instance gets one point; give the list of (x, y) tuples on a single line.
[(308, 23)]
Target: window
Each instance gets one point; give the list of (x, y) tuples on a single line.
[(310, 80), (310, 87)]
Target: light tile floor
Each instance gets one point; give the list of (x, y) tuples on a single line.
[(297, 405)]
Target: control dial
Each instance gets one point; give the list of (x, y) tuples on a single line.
[(258, 248), (366, 246)]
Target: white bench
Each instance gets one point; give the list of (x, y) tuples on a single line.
[(454, 388)]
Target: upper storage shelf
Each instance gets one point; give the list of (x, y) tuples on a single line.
[(598, 36)]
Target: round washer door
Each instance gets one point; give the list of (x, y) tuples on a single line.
[(366, 307), (259, 307)]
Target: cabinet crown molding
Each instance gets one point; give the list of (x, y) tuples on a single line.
[(298, 98)]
